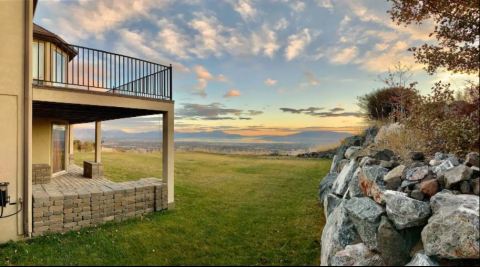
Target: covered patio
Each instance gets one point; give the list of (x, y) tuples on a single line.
[(70, 201)]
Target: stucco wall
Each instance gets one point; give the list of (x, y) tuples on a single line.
[(42, 141), (12, 17)]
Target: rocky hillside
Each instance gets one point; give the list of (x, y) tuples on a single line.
[(385, 210)]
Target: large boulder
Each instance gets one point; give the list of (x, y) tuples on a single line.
[(429, 187), (341, 183), (330, 203), (456, 175), (392, 246), (335, 161), (365, 214), (384, 154), (354, 186), (405, 212), (370, 134), (417, 173), (371, 182), (356, 255), (338, 232), (420, 259), (444, 165), (352, 152), (453, 232), (326, 185), (393, 179)]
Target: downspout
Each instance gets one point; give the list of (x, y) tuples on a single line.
[(27, 119)]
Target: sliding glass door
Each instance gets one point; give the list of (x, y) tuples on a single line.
[(58, 150)]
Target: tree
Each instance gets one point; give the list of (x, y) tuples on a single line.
[(457, 30)]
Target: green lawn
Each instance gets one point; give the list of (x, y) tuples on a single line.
[(230, 210)]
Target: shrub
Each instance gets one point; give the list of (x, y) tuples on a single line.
[(384, 103), (442, 124)]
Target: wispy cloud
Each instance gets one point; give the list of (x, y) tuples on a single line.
[(203, 77), (246, 9), (310, 79), (315, 111), (213, 111), (232, 93), (270, 82), (297, 44)]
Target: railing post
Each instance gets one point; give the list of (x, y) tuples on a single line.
[(171, 70)]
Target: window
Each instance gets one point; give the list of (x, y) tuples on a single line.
[(38, 65)]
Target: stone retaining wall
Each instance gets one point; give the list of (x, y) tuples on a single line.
[(61, 210), (41, 173)]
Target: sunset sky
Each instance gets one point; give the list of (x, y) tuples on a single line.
[(251, 67)]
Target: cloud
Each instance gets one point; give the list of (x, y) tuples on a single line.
[(203, 77), (297, 44), (232, 93), (310, 79), (344, 56), (270, 82), (327, 4), (213, 111), (264, 42), (172, 40), (313, 111), (281, 24), (246, 9), (297, 6)]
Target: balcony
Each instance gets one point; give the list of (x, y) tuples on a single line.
[(74, 67)]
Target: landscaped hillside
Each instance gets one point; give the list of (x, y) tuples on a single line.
[(241, 210)]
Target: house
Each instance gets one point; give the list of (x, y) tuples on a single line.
[(46, 87)]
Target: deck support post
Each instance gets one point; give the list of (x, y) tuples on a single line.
[(71, 147), (168, 155), (98, 141)]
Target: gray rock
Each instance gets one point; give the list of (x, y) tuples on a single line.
[(435, 162), (341, 164), (453, 232), (370, 134), (393, 178), (440, 156), (356, 255), (371, 182), (385, 154), (338, 232), (330, 203), (354, 186), (420, 259), (365, 215), (405, 212), (341, 183), (335, 162), (453, 159), (393, 248), (388, 164), (408, 184), (465, 187), (417, 194), (443, 166), (367, 161), (352, 152), (472, 159), (326, 185), (456, 175), (417, 173)]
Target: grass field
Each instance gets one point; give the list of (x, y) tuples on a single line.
[(230, 210)]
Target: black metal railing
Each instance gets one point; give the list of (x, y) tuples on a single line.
[(78, 67)]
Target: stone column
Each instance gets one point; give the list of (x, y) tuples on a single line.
[(168, 154)]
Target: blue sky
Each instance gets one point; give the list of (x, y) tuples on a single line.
[(251, 67)]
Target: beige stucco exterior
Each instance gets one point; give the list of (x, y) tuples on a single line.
[(15, 116), (25, 141), (41, 141)]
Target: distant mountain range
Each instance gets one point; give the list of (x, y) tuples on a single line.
[(307, 137)]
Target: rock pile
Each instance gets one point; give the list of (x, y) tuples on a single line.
[(383, 210)]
